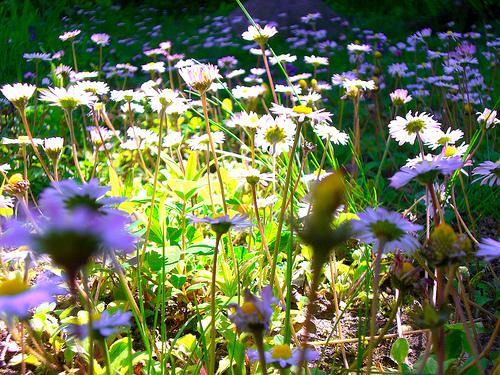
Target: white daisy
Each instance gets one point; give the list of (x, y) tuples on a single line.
[(80, 76), (302, 112), (101, 39), (355, 87), (405, 130), (133, 107), (488, 117), (172, 139), (161, 99), (316, 60), (331, 133), (275, 135), (127, 95), (286, 58), (245, 120), (158, 67), (69, 98), (94, 87), (358, 48), (53, 147), (199, 77), (259, 34), (21, 140), (37, 56), (440, 138), (400, 97), (201, 142), (69, 35), (235, 73), (6, 202), (18, 93), (248, 92)]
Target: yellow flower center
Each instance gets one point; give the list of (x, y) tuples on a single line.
[(302, 109), (415, 126), (12, 285), (248, 308), (281, 351), (407, 267), (15, 178), (450, 151)]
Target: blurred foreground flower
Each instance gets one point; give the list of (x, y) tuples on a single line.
[(17, 298), (282, 356), (254, 315), (489, 249), (103, 326), (221, 224), (72, 228)]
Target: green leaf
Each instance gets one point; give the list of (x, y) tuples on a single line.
[(118, 353), (115, 183), (453, 344), (200, 249), (399, 350), (156, 261), (177, 280)]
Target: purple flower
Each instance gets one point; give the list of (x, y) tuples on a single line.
[(75, 225), (379, 226), (283, 356), (489, 249), (489, 173), (426, 171), (69, 194), (254, 315), (106, 325), (100, 39), (17, 298), (221, 224)]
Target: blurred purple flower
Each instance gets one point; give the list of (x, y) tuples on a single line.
[(283, 357), (254, 315), (17, 298), (489, 249), (222, 224), (107, 325)]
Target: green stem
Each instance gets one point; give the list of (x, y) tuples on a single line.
[(259, 343), (269, 76), (107, 358), (212, 147), (74, 56), (90, 321), (283, 206), (213, 307), (69, 121), (35, 148), (374, 309)]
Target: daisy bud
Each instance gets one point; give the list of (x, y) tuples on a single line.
[(53, 147), (445, 246)]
